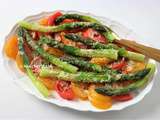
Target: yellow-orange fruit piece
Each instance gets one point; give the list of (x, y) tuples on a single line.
[(97, 100), (11, 47), (43, 21), (55, 51), (79, 91), (100, 61), (48, 82)]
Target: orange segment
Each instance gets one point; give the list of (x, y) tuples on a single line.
[(43, 21), (48, 82), (138, 66), (19, 62), (11, 47), (99, 104), (101, 61), (99, 97), (98, 100), (79, 91), (134, 66)]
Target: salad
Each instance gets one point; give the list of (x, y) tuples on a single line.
[(76, 56)]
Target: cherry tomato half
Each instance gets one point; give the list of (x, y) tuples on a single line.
[(124, 97), (94, 35), (119, 65), (52, 18), (64, 89)]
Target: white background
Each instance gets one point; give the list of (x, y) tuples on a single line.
[(142, 16)]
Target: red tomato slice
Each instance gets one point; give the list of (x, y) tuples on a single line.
[(36, 64), (57, 37), (28, 51), (52, 18), (68, 21), (64, 89), (119, 65), (94, 35), (35, 35), (124, 97)]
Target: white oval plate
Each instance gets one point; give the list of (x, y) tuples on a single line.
[(23, 81)]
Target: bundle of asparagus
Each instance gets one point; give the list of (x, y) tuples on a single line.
[(74, 65)]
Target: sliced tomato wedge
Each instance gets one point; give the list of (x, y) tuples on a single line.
[(28, 51), (57, 36), (69, 42), (68, 21), (124, 97), (36, 64), (94, 35), (35, 35), (64, 89), (119, 65), (52, 18)]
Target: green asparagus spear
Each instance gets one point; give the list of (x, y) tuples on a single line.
[(52, 59), (82, 63), (90, 66), (75, 16), (109, 53), (109, 90), (88, 41), (131, 55), (54, 43), (109, 34), (88, 77), (75, 60), (38, 84), (135, 76), (97, 45), (66, 26)]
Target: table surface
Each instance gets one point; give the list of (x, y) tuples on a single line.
[(141, 16)]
